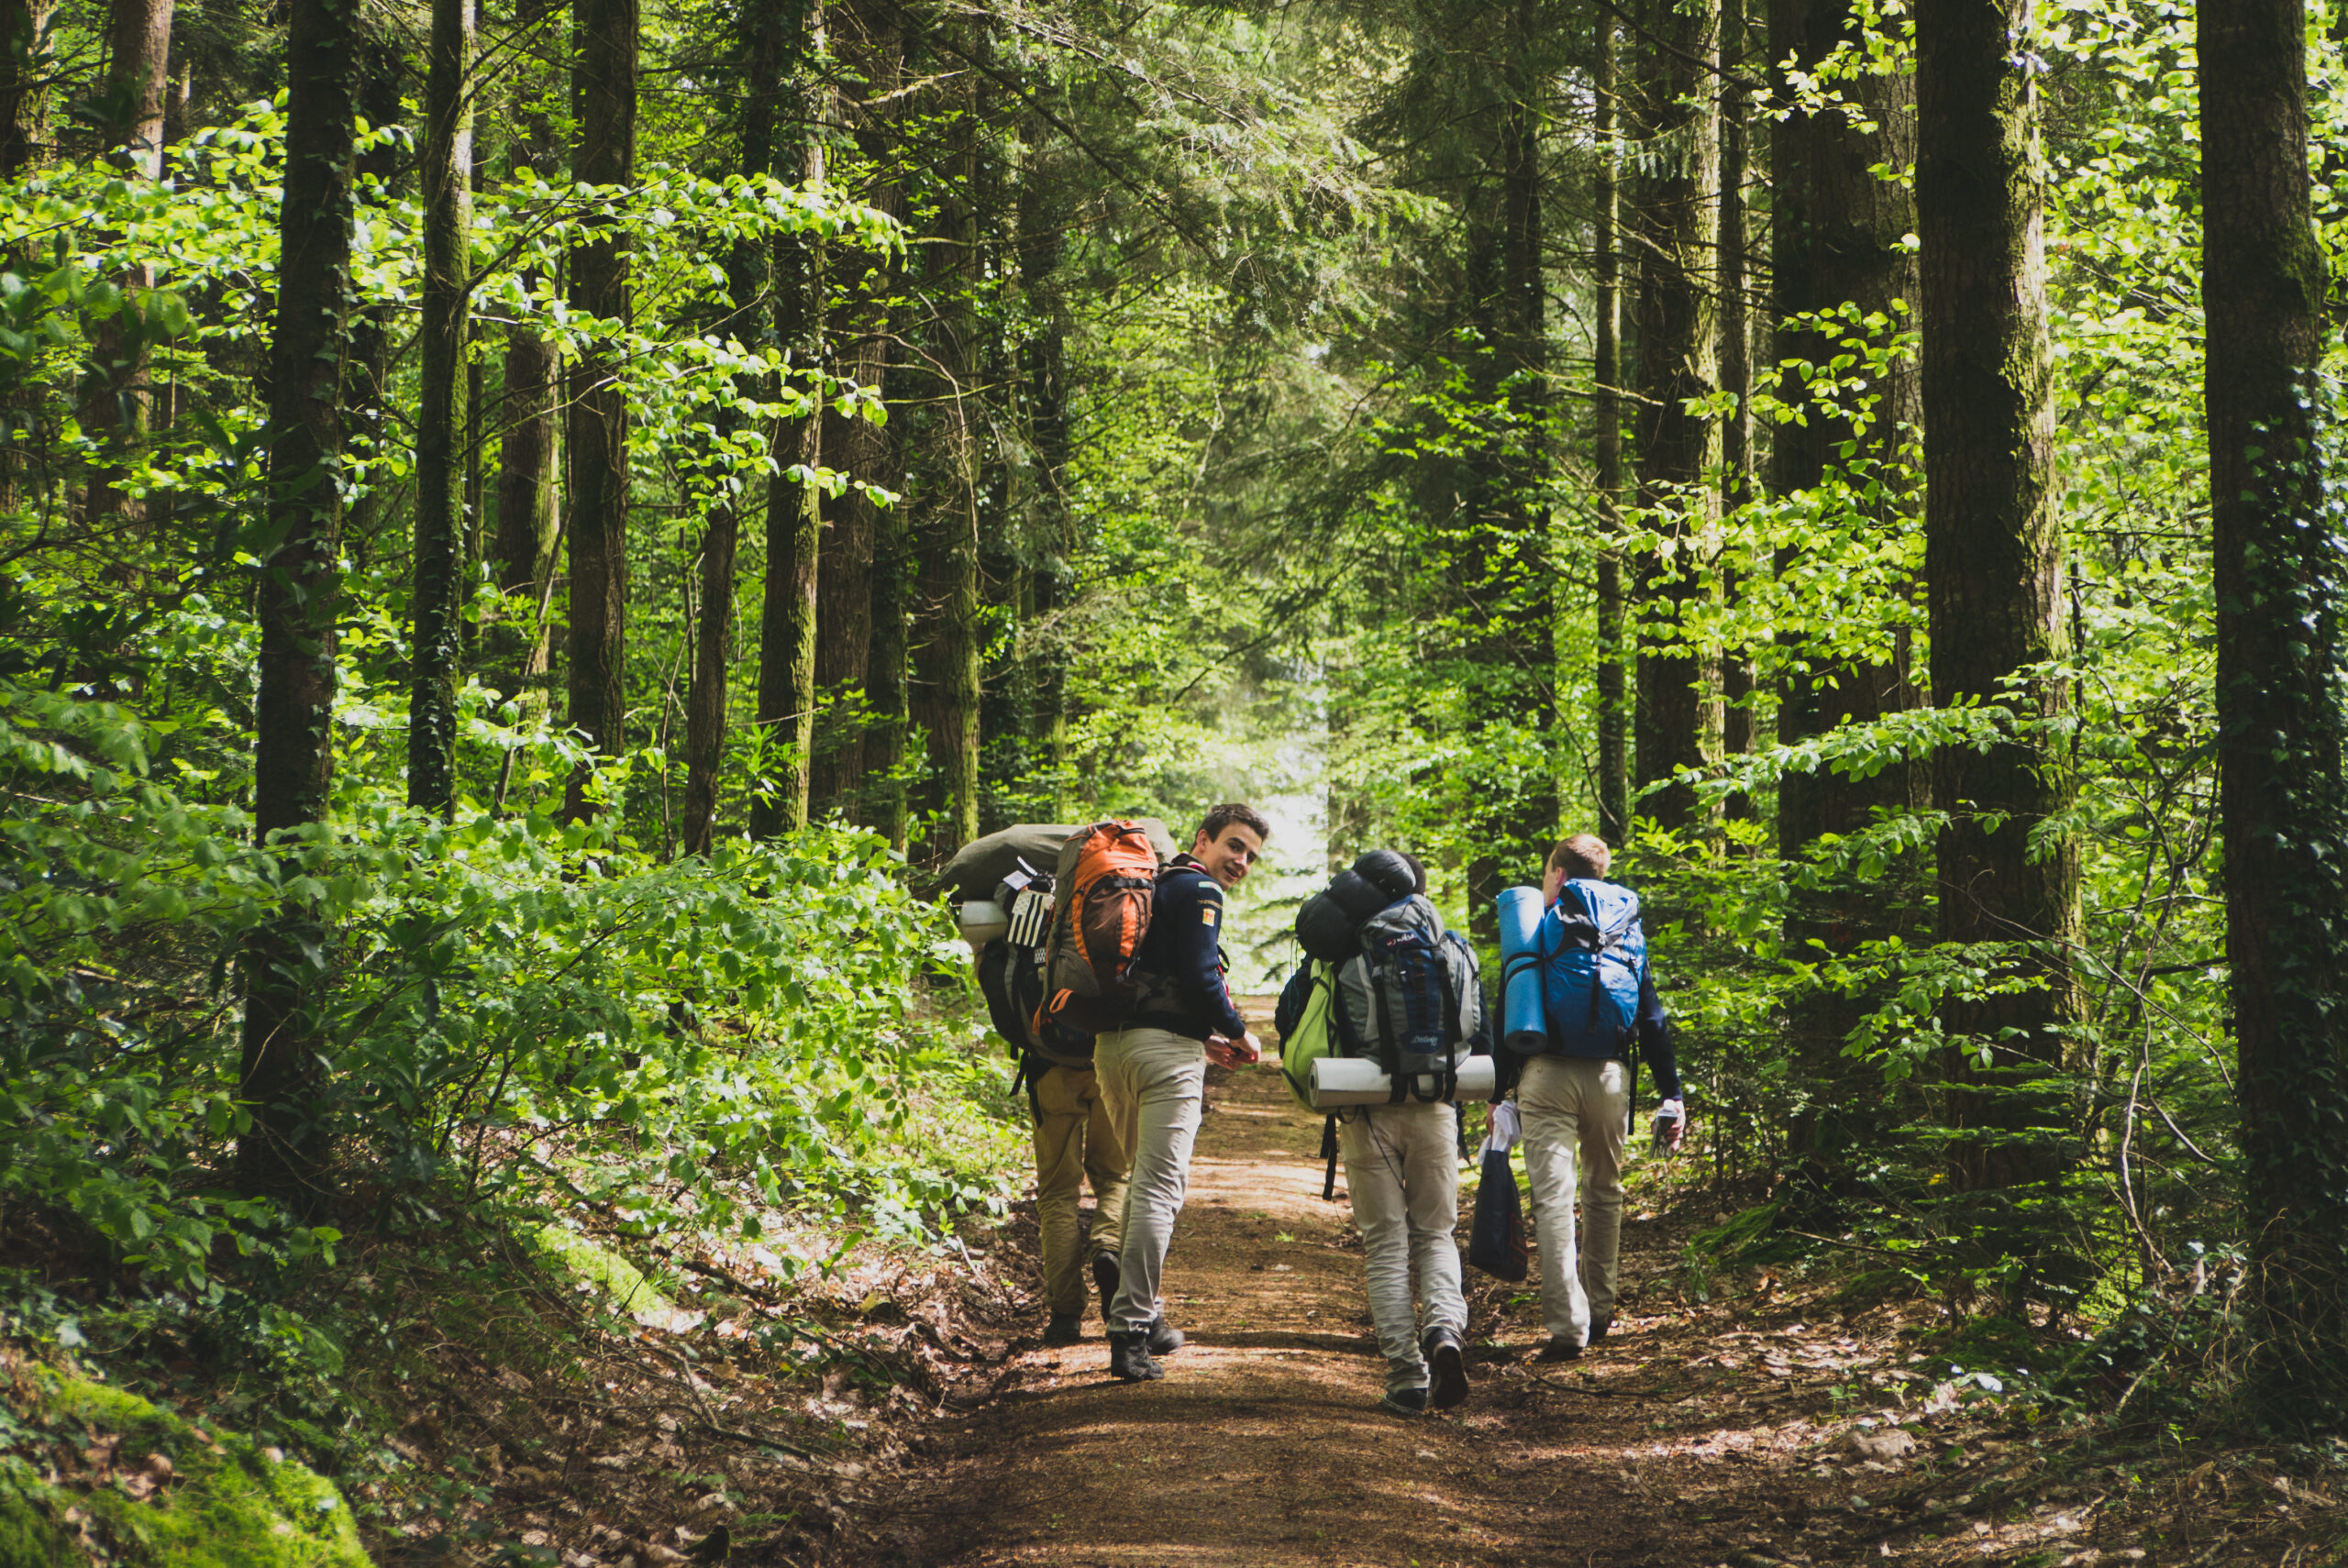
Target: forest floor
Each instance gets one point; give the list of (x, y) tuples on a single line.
[(1762, 1425)]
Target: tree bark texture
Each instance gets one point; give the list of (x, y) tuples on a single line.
[(944, 689), (872, 45), (1736, 369), (138, 51), (762, 294), (1674, 225), (2283, 801), (1606, 410), (442, 428), (888, 802), (1050, 542), (1838, 239), (293, 708), (523, 550), (25, 62), (603, 102), (1994, 564)]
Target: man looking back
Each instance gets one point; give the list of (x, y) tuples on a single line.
[(1153, 1071)]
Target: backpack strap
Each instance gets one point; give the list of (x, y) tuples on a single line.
[(1329, 1153)]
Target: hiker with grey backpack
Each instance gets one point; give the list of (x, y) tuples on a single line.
[(1578, 1000), (1384, 985)]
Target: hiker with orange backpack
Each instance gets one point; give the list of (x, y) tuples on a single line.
[(1136, 958)]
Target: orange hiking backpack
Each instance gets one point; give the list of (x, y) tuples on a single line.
[(1108, 878)]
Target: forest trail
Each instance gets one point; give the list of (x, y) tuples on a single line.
[(1263, 1444)]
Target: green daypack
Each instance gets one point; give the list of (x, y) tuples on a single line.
[(1314, 1037)]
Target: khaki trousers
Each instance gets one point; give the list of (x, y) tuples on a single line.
[(1573, 1110), (1402, 1172), (1076, 1142), (1153, 1080)]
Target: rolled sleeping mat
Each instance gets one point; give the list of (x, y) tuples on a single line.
[(1356, 1080), (1524, 1029), (983, 920)]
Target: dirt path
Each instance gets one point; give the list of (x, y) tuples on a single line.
[(1738, 1418), (1263, 1444)]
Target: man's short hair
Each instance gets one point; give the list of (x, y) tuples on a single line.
[(1584, 855), (1231, 811)]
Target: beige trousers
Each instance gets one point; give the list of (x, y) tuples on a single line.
[(1153, 1080), (1573, 1114), (1076, 1140), (1402, 1172)]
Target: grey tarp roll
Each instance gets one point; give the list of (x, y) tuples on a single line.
[(983, 862)]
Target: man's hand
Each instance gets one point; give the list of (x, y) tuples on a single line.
[(1224, 1051), (1670, 1124)]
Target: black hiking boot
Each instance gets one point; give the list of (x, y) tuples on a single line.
[(1448, 1367), (1405, 1401), (1559, 1350), (1597, 1327), (1129, 1358), (1062, 1330), (1165, 1339), (1104, 1278)]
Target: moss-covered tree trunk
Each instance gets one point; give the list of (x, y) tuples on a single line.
[(2283, 799), (437, 650), (604, 104), (1674, 217), (1993, 561), (298, 594)]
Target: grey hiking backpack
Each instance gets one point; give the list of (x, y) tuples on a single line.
[(1410, 998)]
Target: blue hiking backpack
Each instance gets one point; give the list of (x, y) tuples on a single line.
[(1593, 954)]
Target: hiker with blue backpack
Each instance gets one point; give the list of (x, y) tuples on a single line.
[(1136, 961), (1578, 997), (1384, 984)]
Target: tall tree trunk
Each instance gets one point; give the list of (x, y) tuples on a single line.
[(1046, 373), (777, 48), (299, 591), (2283, 801), (1675, 218), (1992, 556), (138, 47), (945, 690), (603, 95), (1606, 409), (1736, 372), (1839, 243), (523, 552), (443, 420), (894, 586), (1838, 240), (367, 356), (871, 44), (25, 62)]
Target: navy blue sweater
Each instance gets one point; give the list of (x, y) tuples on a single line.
[(1180, 962)]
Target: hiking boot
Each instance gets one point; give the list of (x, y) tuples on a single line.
[(1165, 1339), (1062, 1330), (1104, 1278), (1405, 1401), (1448, 1367), (1129, 1358), (1597, 1327), (1559, 1350)]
